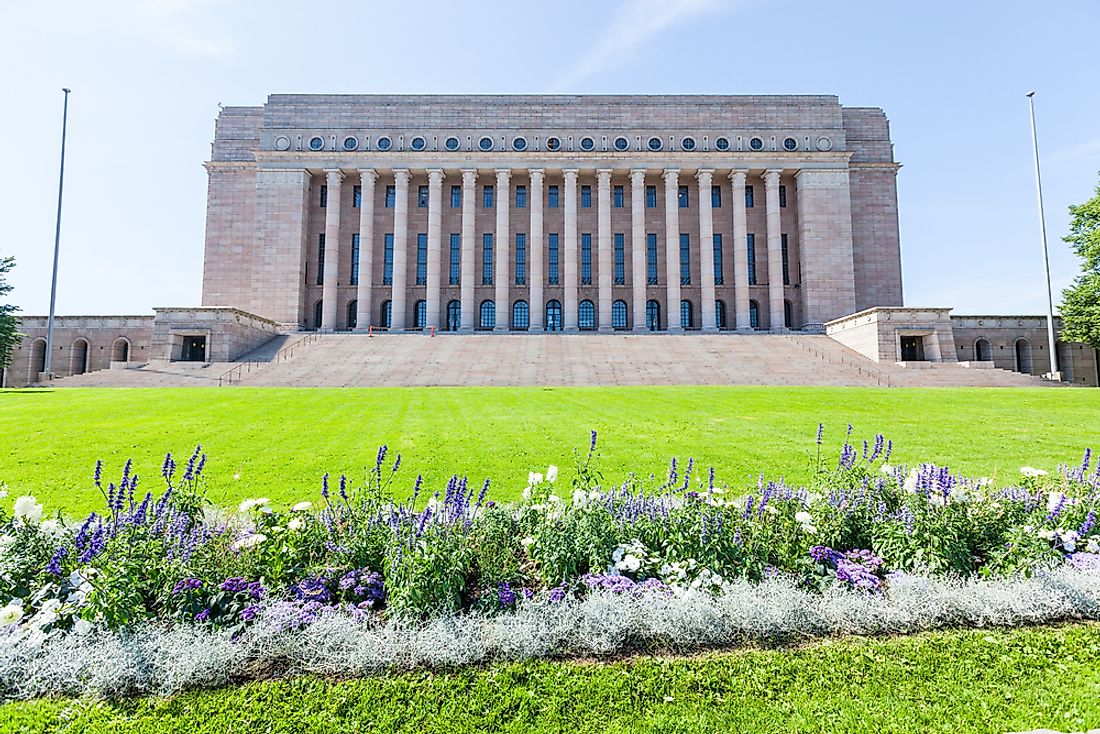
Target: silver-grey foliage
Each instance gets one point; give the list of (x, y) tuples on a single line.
[(163, 660)]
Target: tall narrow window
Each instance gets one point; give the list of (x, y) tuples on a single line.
[(620, 258), (487, 259), (456, 197), (651, 258), (650, 197), (487, 197), (521, 316), (324, 196), (752, 258), (356, 197), (552, 253), (718, 279), (754, 315), (421, 197), (786, 261), (748, 197), (586, 315), (586, 197), (421, 312), (552, 197), (387, 314), (387, 259), (685, 314), (618, 315), (521, 197), (586, 259), (488, 314), (521, 258), (716, 197), (782, 196), (321, 259), (617, 197), (354, 259), (391, 196), (553, 315), (421, 258), (685, 258), (456, 259), (720, 314), (652, 315), (682, 197)]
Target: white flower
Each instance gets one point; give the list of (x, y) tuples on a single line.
[(809, 529), (629, 563), (51, 528), (527, 541), (553, 499), (3, 493), (11, 614), (580, 498), (1029, 528), (1053, 500), (803, 517), (76, 579), (82, 627), (248, 541), (237, 475), (533, 478), (27, 508), (886, 469), (910, 483), (1030, 471), (1047, 534), (249, 505), (1093, 546), (295, 524), (302, 506), (551, 473)]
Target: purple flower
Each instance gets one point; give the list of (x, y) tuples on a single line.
[(820, 432), (203, 616), (1090, 521), (505, 596), (557, 594), (234, 585), (186, 584), (54, 566), (250, 613), (592, 445)]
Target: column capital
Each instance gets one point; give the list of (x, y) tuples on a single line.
[(637, 176), (604, 175), (704, 176), (738, 176), (771, 176), (402, 176), (536, 174), (469, 176), (334, 176), (570, 174), (503, 175), (435, 175), (671, 174), (368, 175)]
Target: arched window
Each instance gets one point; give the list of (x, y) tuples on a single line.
[(553, 315), (982, 351), (720, 314), (120, 350), (421, 314), (586, 315), (454, 315), (788, 314), (387, 313), (78, 361), (488, 314), (353, 314), (521, 316), (318, 308), (1023, 356), (618, 315), (685, 314), (652, 315), (38, 359), (754, 315)]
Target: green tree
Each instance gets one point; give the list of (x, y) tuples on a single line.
[(1081, 301), (9, 332)]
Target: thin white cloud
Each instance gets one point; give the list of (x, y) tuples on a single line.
[(634, 24), (191, 27), (1088, 151)]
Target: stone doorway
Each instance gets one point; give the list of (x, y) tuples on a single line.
[(194, 349), (912, 349)]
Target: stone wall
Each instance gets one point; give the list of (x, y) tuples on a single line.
[(81, 344), (230, 332), (876, 333), (1014, 341)]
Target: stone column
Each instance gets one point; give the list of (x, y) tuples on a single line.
[(637, 247), (334, 179), (672, 249), (501, 251), (401, 178), (466, 275), (605, 261), (705, 177), (775, 251), (435, 216), (740, 252), (536, 307), (363, 309), (571, 279)]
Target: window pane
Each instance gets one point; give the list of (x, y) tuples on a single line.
[(617, 197), (618, 315), (356, 197), (521, 259), (521, 197), (421, 259), (387, 260), (651, 258), (552, 197), (786, 261), (748, 197), (586, 315), (754, 315), (324, 196), (586, 259), (391, 197), (488, 315), (552, 251), (718, 279), (586, 197), (782, 196), (421, 197), (685, 314), (716, 197), (321, 260), (685, 259), (682, 196), (521, 318), (620, 258), (486, 259), (487, 197), (650, 197), (456, 258), (355, 259), (456, 197), (752, 259), (421, 314)]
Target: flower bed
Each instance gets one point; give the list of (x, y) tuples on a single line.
[(168, 591)]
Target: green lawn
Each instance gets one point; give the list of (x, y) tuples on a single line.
[(960, 681), (280, 441)]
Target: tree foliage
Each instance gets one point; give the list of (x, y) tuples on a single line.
[(1081, 301), (9, 332)]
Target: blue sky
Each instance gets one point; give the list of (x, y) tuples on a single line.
[(147, 77)]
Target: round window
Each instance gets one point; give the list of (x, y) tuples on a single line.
[(316, 143), (519, 144), (722, 143), (790, 144), (553, 143), (451, 143), (824, 144), (384, 143), (621, 143), (485, 143), (351, 142), (587, 143), (282, 143), (417, 143), (688, 143), (654, 143), (756, 144)]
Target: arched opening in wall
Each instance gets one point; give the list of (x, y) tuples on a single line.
[(685, 314), (78, 359), (553, 315), (521, 316), (317, 311), (652, 315), (454, 315), (983, 352), (754, 314), (586, 315), (788, 314), (1065, 360), (488, 315), (1023, 356), (38, 360), (720, 314), (618, 315), (353, 314), (120, 350), (385, 314), (421, 314)]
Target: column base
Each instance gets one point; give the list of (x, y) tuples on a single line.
[(744, 330), (571, 330), (710, 329), (465, 330), (640, 330), (779, 330), (361, 329), (606, 330), (500, 330), (326, 330), (534, 330), (675, 330)]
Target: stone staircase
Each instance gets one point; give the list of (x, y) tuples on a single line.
[(392, 360)]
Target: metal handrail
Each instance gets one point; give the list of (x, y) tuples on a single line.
[(234, 375), (880, 376)]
